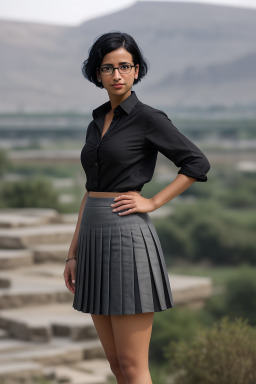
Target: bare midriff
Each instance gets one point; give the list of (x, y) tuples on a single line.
[(112, 194)]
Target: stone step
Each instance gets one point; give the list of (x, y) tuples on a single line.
[(19, 238), (23, 217), (74, 375), (21, 371), (4, 283), (190, 291), (41, 323), (50, 252), (100, 366), (13, 345), (57, 351), (27, 288), (69, 218), (13, 258), (47, 269), (3, 335)]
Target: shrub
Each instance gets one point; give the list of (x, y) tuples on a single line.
[(224, 353), (241, 296), (175, 325), (5, 162), (238, 300), (37, 192)]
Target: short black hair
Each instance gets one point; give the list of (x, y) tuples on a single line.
[(109, 42)]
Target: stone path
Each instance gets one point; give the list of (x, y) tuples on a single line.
[(41, 335)]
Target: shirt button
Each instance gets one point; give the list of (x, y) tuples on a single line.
[(96, 164)]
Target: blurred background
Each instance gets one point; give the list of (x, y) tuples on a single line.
[(202, 73)]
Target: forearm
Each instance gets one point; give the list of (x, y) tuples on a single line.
[(74, 242), (177, 186)]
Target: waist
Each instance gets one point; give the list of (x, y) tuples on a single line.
[(112, 194)]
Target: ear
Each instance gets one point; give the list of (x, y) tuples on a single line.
[(136, 71), (98, 75)]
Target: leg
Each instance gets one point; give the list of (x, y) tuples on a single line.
[(132, 335), (105, 332)]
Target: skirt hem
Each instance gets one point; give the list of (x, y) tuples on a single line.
[(118, 314)]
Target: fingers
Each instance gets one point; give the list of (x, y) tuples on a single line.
[(128, 212), (122, 206), (73, 277), (69, 277)]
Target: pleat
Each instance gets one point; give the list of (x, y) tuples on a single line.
[(128, 298), (115, 272), (92, 266), (157, 276), (77, 270), (81, 261), (166, 281), (97, 270), (142, 269), (105, 272), (86, 270)]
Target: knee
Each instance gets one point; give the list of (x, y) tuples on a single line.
[(114, 366), (128, 366)]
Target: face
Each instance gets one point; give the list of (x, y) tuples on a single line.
[(115, 58)]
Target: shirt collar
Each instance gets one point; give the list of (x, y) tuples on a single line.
[(127, 105)]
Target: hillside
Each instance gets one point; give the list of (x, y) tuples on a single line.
[(200, 55)]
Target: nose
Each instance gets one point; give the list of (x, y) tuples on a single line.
[(116, 74)]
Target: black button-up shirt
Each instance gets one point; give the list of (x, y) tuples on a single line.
[(124, 158)]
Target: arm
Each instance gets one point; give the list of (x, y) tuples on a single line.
[(74, 242), (177, 186), (166, 138), (70, 267), (141, 204), (162, 135)]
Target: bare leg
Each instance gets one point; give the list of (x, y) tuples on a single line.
[(105, 332), (132, 335)]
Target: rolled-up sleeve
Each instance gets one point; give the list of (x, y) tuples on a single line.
[(167, 139)]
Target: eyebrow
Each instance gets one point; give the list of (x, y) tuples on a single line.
[(121, 62)]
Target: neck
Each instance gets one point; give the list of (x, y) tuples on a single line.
[(115, 100)]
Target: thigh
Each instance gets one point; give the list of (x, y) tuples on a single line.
[(104, 330), (132, 335)]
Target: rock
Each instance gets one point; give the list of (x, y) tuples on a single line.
[(23, 217), (55, 352), (28, 290), (19, 370), (14, 258), (40, 323), (20, 238), (50, 252)]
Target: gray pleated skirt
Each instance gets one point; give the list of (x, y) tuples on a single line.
[(120, 268)]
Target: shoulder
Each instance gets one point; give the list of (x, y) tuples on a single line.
[(154, 119), (149, 113)]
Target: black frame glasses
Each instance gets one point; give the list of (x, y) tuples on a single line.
[(119, 69)]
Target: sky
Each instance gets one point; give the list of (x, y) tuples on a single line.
[(74, 12)]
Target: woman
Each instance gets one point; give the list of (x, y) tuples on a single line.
[(115, 265)]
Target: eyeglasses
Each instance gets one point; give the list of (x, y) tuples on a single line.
[(123, 69)]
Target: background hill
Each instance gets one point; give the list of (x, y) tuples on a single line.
[(200, 55)]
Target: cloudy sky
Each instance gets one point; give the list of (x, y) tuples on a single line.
[(73, 12)]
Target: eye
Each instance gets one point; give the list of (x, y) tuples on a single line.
[(106, 68), (125, 66)]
